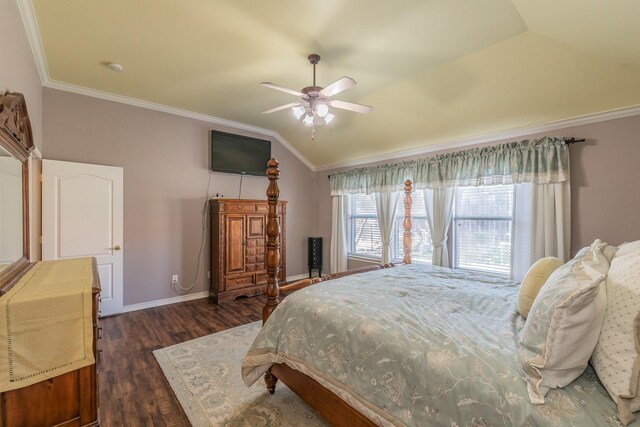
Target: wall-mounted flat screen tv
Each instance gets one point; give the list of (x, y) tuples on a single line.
[(239, 154)]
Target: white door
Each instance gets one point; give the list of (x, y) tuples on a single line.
[(82, 212)]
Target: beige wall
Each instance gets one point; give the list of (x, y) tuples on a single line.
[(605, 189), (165, 160), (18, 72)]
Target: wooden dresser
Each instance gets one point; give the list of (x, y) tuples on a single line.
[(69, 399), (238, 247)]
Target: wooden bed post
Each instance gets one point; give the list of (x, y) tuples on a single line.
[(273, 240), (273, 255), (407, 222)]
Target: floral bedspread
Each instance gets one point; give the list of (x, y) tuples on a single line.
[(419, 346)]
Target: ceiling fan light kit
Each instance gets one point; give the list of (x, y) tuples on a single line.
[(314, 107), (298, 111)]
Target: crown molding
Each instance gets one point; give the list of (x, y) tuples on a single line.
[(67, 87), (25, 7), (496, 136)]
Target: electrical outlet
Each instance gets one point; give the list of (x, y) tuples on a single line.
[(174, 279)]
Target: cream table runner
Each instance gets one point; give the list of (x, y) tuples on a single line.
[(46, 325)]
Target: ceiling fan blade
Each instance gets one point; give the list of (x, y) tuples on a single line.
[(358, 108), (282, 107), (282, 89), (338, 86)]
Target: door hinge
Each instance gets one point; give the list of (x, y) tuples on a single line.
[(40, 239), (41, 178)]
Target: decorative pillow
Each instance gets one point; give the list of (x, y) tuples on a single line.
[(533, 281), (616, 358), (564, 323)]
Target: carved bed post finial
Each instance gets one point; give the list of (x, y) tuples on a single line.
[(407, 222), (273, 240)]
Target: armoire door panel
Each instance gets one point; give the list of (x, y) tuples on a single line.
[(235, 244)]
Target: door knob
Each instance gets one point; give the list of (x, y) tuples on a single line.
[(117, 247)]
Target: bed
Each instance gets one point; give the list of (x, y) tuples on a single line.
[(407, 345)]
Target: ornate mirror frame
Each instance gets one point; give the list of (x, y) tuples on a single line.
[(16, 137)]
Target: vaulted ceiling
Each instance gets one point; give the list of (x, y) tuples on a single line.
[(435, 71)]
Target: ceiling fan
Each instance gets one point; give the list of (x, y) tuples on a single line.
[(314, 107)]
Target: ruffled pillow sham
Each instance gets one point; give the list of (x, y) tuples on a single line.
[(563, 325)]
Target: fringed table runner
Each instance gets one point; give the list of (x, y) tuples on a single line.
[(46, 325)]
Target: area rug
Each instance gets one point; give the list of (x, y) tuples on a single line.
[(205, 376)]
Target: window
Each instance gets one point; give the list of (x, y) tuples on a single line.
[(483, 228), (364, 233)]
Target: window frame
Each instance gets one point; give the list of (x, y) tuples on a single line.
[(454, 233), (351, 230)]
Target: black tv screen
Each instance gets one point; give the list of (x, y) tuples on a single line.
[(239, 154)]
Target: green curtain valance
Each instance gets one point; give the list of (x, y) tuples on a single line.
[(539, 161)]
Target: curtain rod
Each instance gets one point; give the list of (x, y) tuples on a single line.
[(567, 141)]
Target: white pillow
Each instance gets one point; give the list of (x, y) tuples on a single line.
[(616, 358), (563, 325)]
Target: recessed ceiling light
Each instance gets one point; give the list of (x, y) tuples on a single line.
[(114, 66)]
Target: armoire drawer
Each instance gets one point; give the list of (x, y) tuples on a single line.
[(236, 282)]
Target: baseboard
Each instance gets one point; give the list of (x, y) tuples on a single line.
[(165, 301), (183, 298)]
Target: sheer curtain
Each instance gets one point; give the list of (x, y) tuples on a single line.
[(552, 216), (338, 254), (542, 225), (438, 203), (386, 206)]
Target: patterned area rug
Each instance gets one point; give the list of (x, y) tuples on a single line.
[(205, 376)]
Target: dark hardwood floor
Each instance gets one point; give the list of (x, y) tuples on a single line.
[(133, 390)]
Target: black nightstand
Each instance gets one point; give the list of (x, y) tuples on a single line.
[(314, 255)]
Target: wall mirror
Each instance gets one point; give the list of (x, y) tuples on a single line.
[(16, 143)]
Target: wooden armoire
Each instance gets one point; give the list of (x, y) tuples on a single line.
[(238, 247)]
